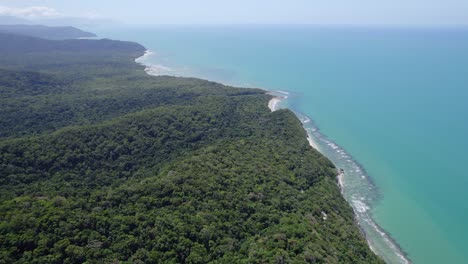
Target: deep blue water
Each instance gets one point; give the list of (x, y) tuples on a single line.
[(388, 105)]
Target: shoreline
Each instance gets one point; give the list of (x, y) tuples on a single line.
[(275, 104), (361, 201), (360, 208), (154, 69)]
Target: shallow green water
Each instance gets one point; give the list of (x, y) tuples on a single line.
[(391, 106)]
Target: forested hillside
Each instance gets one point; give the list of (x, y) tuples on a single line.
[(100, 163)]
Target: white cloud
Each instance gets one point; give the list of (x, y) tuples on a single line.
[(29, 12)]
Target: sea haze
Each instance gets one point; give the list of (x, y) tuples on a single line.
[(388, 105)]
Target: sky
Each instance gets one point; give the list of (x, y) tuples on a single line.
[(367, 12)]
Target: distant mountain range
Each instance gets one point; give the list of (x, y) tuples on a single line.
[(71, 21), (55, 33)]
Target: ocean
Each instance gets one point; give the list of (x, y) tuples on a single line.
[(387, 105)]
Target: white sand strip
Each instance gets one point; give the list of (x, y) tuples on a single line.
[(312, 143), (273, 103)]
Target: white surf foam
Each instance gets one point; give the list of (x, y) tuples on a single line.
[(154, 69), (355, 187), (158, 70), (145, 55), (312, 143), (360, 206)]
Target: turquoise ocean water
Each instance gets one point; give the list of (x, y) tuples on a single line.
[(388, 105)]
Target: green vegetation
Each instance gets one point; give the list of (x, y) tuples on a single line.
[(100, 163)]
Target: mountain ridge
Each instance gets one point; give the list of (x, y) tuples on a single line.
[(54, 33)]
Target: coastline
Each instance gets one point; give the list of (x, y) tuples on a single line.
[(361, 205), (360, 192), (278, 97), (153, 69), (275, 104), (232, 158)]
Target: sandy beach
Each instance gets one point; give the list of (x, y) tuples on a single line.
[(273, 103), (312, 143)]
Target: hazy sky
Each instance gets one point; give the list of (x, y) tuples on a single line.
[(419, 12)]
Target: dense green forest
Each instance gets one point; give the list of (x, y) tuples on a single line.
[(100, 163)]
